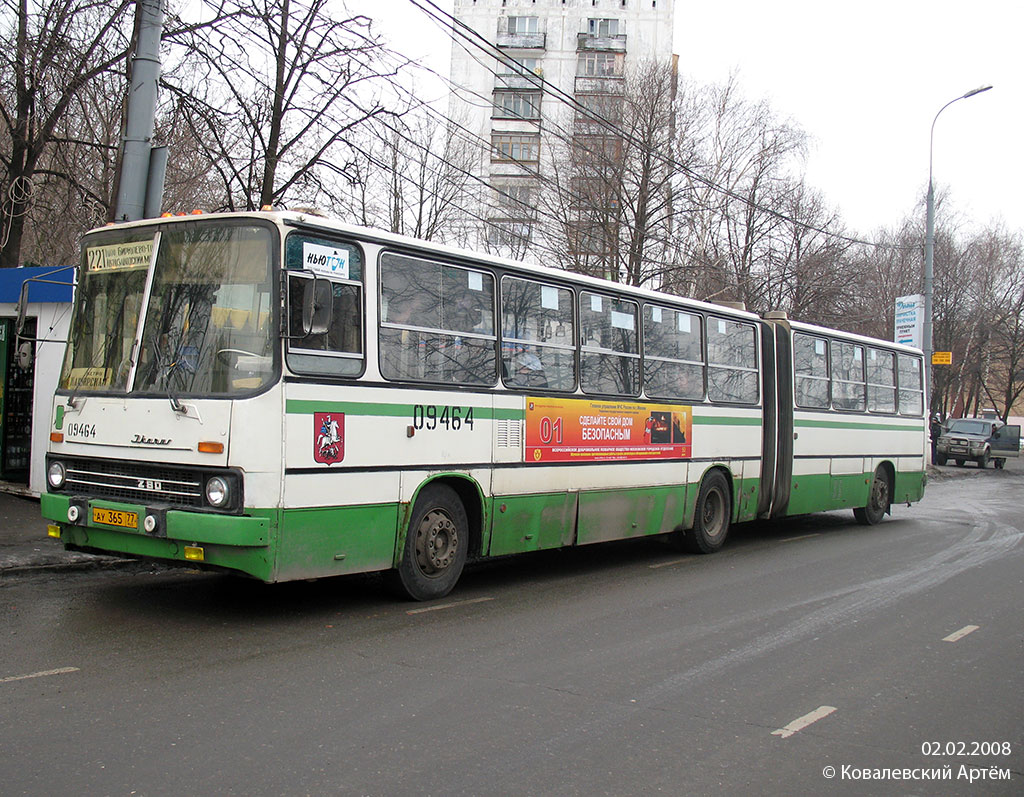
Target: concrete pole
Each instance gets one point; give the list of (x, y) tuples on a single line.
[(929, 252), (140, 118)]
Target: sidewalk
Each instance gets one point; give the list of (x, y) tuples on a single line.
[(25, 546)]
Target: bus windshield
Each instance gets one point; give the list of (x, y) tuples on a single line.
[(207, 321)]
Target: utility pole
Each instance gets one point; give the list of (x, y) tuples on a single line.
[(140, 183)]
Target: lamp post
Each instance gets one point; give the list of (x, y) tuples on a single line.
[(929, 248)]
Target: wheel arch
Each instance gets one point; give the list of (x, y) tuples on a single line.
[(691, 504), (470, 494)]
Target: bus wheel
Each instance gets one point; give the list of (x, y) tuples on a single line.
[(711, 518), (878, 501), (435, 545)]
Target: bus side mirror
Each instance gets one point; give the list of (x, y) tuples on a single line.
[(317, 307)]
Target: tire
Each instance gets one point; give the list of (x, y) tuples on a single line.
[(983, 459), (436, 544), (999, 463), (879, 499), (940, 459), (711, 516)]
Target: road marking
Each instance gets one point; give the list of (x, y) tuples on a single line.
[(673, 562), (43, 674), (803, 537), (799, 724), (956, 636), (448, 605)]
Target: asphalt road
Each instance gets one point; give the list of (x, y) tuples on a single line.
[(621, 669)]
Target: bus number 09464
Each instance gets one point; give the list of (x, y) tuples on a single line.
[(431, 416)]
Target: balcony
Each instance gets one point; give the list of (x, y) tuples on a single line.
[(599, 85), (521, 41), (611, 44), (517, 81)]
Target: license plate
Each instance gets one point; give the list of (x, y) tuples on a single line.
[(115, 517)]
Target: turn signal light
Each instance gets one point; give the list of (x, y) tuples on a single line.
[(211, 447), (56, 437), (194, 553)]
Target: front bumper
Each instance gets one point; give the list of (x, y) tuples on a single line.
[(236, 542)]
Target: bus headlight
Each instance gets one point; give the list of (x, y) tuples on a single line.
[(218, 493), (56, 475)]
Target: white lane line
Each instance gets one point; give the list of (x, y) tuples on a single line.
[(799, 724), (956, 636), (448, 605), (673, 562), (802, 537), (43, 674)]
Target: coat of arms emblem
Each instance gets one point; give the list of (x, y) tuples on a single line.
[(328, 437)]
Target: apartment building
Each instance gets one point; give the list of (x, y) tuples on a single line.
[(523, 85)]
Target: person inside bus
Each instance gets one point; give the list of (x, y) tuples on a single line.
[(528, 371)]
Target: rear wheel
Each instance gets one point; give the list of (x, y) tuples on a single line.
[(999, 462), (436, 545), (712, 515), (878, 500)]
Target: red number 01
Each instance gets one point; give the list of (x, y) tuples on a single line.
[(549, 430)]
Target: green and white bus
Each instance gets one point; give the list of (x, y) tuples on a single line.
[(284, 396)]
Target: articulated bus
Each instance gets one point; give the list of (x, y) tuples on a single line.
[(287, 397)]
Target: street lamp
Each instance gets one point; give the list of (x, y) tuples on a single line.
[(929, 248)]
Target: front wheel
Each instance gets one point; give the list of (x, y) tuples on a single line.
[(999, 462), (983, 459), (436, 544), (940, 459), (878, 501), (712, 515)]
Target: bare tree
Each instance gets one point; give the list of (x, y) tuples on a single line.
[(610, 190), (275, 90), (412, 175), (53, 50)]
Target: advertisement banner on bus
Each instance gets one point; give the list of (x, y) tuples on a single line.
[(583, 430)]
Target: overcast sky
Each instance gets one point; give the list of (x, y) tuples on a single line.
[(864, 80)]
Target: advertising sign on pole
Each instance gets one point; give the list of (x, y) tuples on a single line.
[(910, 320)]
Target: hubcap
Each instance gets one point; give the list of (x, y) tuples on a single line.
[(712, 514), (437, 542)]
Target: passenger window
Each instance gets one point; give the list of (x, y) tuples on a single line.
[(610, 358), (848, 388), (673, 354), (810, 366), (732, 361), (311, 260), (437, 322), (538, 335), (910, 385), (881, 368)]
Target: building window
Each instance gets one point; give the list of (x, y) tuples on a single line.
[(515, 148), (517, 104), (602, 28), (592, 64), (515, 65), (523, 25), (515, 199)]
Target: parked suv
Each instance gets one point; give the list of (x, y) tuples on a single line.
[(978, 439)]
